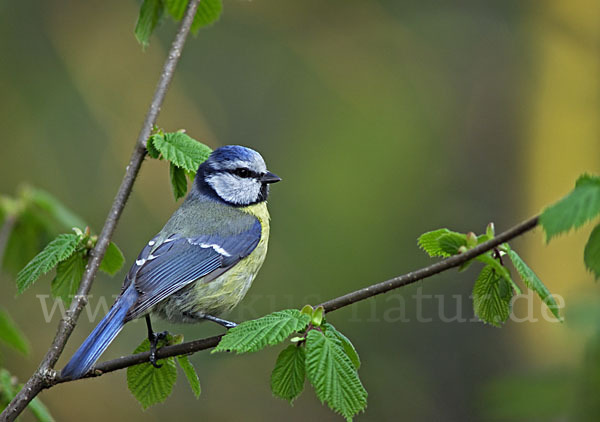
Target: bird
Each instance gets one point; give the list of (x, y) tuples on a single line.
[(202, 262)]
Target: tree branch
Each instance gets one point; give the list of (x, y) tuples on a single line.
[(41, 378), (331, 305)]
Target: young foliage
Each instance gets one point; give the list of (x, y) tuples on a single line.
[(58, 250), (287, 378), (532, 281), (190, 373), (184, 153), (178, 181), (430, 243), (333, 375), (346, 344), (591, 254), (180, 149), (251, 336), (491, 297), (68, 275), (113, 259), (150, 385), (150, 15), (152, 12), (11, 335), (500, 269), (571, 212)]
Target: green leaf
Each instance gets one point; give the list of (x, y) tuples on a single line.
[(578, 207), (190, 374), (487, 258), (287, 378), (181, 150), (176, 8), (533, 282), (429, 242), (333, 375), (208, 13), (178, 181), (68, 276), (346, 344), (11, 334), (113, 259), (251, 336), (58, 250), (151, 12), (450, 242), (152, 151), (491, 297), (591, 255), (53, 207), (150, 385)]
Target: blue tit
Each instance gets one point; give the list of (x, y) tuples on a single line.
[(203, 261)]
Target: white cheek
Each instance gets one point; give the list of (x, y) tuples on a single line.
[(235, 189)]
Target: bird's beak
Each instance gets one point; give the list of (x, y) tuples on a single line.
[(269, 177)]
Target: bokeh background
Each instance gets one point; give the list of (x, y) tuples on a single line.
[(386, 119)]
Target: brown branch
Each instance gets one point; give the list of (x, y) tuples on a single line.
[(330, 305), (42, 376)]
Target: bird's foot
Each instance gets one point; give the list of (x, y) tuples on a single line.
[(154, 338), (223, 322)]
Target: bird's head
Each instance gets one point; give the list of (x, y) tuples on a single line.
[(236, 175)]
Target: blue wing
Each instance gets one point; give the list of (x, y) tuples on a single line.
[(178, 261)]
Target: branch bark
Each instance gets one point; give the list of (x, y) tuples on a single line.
[(331, 305), (44, 374)]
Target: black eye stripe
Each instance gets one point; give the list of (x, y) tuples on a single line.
[(245, 173)]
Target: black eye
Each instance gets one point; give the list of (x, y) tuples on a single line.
[(242, 172)]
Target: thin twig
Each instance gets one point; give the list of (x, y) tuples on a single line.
[(44, 373), (331, 305)]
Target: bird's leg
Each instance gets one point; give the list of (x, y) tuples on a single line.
[(154, 338), (223, 322)]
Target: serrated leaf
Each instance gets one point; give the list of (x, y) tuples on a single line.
[(178, 181), (58, 250), (208, 13), (591, 254), (181, 150), (450, 242), (287, 378), (150, 148), (151, 12), (113, 259), (11, 335), (251, 336), (533, 282), (500, 269), (429, 242), (54, 208), (190, 374), (68, 276), (176, 8), (491, 297), (150, 385), (333, 375), (346, 344), (578, 207)]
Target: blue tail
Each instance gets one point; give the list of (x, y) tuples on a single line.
[(104, 333)]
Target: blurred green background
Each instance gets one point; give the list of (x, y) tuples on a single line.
[(385, 119)]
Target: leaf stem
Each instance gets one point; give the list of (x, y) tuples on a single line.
[(44, 374)]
